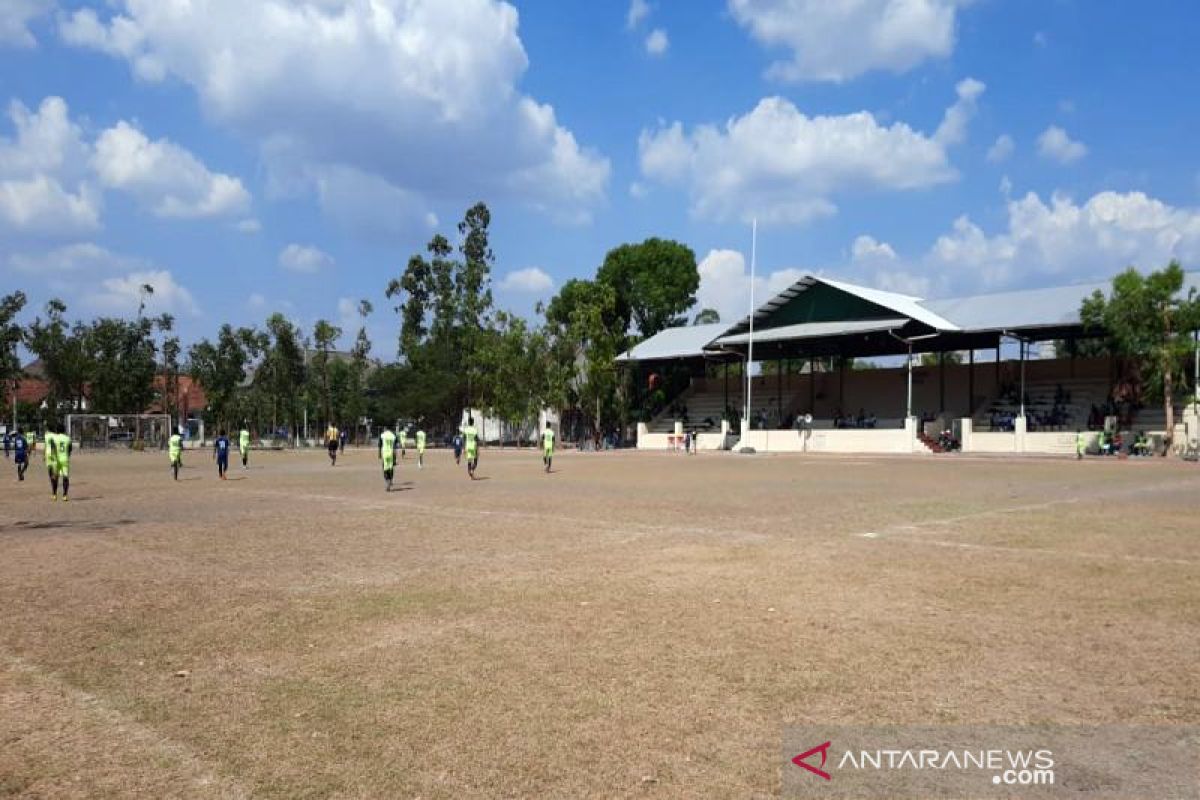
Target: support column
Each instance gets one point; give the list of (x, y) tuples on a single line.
[(971, 383), (725, 410), (941, 383), (779, 390), (812, 384), (1022, 398), (842, 385)]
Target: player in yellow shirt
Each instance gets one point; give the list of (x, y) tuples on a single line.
[(51, 462), (420, 448), (175, 452), (471, 442), (387, 456), (244, 446), (548, 446), (331, 443), (62, 459)]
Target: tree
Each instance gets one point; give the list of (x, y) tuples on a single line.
[(11, 336), (1151, 322), (936, 359), (707, 316), (123, 362), (221, 369), (325, 335), (64, 358), (281, 374), (653, 283)]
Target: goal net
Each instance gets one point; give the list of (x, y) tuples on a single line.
[(135, 431)]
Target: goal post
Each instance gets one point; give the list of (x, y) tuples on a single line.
[(134, 431)]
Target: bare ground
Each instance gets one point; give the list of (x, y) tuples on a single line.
[(631, 625)]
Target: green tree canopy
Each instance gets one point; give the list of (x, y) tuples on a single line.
[(1150, 320), (653, 284)]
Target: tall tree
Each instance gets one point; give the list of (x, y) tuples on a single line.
[(220, 368), (473, 285), (124, 360), (11, 336), (280, 377), (1151, 321), (707, 316), (63, 354), (653, 283), (325, 335)]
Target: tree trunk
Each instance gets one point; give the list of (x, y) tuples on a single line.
[(1168, 408)]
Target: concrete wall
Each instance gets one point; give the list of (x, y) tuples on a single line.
[(898, 440)]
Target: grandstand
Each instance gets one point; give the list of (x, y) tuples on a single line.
[(812, 333)]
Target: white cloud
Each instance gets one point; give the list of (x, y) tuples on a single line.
[(953, 129), (866, 250), (1057, 145), (1001, 149), (168, 179), (638, 11), (15, 17), (122, 295), (725, 284), (256, 301), (421, 94), (1065, 240), (248, 226), (779, 165), (657, 42), (43, 174), (304, 258), (79, 259), (530, 280), (837, 41)]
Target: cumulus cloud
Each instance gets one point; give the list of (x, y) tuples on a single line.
[(725, 284), (779, 165), (44, 186), (122, 295), (530, 280), (166, 178), (1001, 149), (638, 11), (78, 259), (15, 17), (420, 93), (1056, 145), (953, 129), (840, 41), (52, 178), (304, 258), (657, 42)]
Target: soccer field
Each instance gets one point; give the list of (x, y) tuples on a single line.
[(631, 625)]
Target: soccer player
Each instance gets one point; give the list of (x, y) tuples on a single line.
[(51, 461), (331, 443), (342, 436), (1080, 444), (244, 446), (175, 452), (548, 445), (387, 455), (8, 440), (402, 438), (420, 448), (471, 442), (457, 448), (21, 454), (62, 461), (221, 454)]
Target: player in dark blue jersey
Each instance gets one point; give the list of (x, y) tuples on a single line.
[(21, 453), (221, 454)]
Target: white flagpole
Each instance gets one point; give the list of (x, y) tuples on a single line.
[(750, 348)]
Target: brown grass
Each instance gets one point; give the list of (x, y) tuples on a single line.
[(632, 625)]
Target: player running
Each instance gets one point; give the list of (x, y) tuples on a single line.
[(458, 443), (221, 454), (402, 439), (175, 452), (244, 446), (387, 456), (60, 453), (331, 443), (420, 448), (548, 445), (21, 454), (471, 442)]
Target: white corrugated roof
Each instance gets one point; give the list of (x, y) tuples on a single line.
[(683, 342), (811, 330)]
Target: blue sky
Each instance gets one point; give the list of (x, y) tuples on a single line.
[(292, 157)]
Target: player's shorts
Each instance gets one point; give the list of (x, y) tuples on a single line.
[(332, 446), (63, 469), (389, 463), (52, 467), (21, 459), (243, 451), (472, 453)]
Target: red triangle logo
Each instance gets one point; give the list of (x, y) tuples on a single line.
[(823, 749)]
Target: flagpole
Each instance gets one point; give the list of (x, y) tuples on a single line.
[(750, 348)]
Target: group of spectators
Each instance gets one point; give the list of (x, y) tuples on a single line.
[(860, 420), (1113, 444)]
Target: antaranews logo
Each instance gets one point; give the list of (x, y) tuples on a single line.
[(823, 749)]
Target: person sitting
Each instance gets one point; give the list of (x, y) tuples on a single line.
[(1141, 444)]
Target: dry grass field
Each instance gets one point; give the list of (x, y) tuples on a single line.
[(633, 625)]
